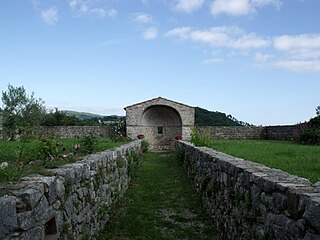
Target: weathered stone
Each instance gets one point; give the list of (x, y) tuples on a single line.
[(8, 215), (26, 220), (31, 195), (248, 196), (310, 236), (36, 233), (312, 213), (42, 211)]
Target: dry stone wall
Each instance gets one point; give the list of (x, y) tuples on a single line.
[(237, 132), (247, 200), (73, 203), (67, 131)]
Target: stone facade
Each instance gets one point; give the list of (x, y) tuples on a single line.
[(247, 200), (73, 203), (160, 120)]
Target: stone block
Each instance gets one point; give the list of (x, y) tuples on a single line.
[(8, 215), (312, 213)]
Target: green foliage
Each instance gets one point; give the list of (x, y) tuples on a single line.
[(59, 118), (20, 110), (24, 158), (318, 110), (88, 144), (118, 130), (204, 117), (199, 139), (10, 174), (145, 146), (134, 163), (120, 162), (311, 133), (49, 149)]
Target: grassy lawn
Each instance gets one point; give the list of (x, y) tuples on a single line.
[(160, 204), (296, 159), (28, 157)]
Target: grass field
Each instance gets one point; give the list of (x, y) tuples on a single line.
[(27, 157), (160, 204), (296, 159)]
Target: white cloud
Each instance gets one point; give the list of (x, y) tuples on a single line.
[(189, 5), (212, 61), (221, 37), (104, 13), (85, 8), (263, 58), (241, 7), (299, 65), (143, 18), (50, 16), (150, 33), (305, 46)]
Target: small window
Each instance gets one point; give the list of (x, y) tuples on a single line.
[(160, 130)]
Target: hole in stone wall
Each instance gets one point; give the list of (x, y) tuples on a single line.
[(160, 130), (51, 229)]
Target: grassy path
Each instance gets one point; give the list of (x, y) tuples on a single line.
[(160, 205)]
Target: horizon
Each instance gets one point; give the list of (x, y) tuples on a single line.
[(258, 60)]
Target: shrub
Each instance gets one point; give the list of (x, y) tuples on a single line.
[(311, 135), (145, 146), (134, 163), (199, 139), (49, 149), (88, 144)]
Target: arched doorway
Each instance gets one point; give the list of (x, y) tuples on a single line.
[(161, 125)]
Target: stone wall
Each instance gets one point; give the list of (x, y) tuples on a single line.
[(70, 131), (247, 200), (73, 203), (287, 133), (237, 132)]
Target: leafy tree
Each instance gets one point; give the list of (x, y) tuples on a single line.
[(59, 118), (318, 111), (21, 110)]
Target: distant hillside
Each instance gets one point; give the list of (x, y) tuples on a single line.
[(89, 116), (203, 118), (81, 115), (208, 118)]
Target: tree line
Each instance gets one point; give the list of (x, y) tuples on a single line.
[(22, 110)]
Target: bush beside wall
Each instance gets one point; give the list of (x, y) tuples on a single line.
[(250, 201), (73, 203)]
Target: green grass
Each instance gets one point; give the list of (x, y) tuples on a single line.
[(160, 204), (296, 159), (24, 159)]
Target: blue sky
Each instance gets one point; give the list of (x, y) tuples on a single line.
[(258, 60)]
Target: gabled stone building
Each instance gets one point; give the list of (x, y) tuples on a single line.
[(160, 120)]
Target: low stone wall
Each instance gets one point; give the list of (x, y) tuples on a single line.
[(287, 133), (66, 131), (74, 203), (237, 132), (247, 200)]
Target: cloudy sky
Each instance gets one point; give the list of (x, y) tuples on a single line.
[(258, 60)]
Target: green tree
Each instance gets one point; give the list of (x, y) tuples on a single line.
[(21, 110), (59, 118), (318, 111)]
